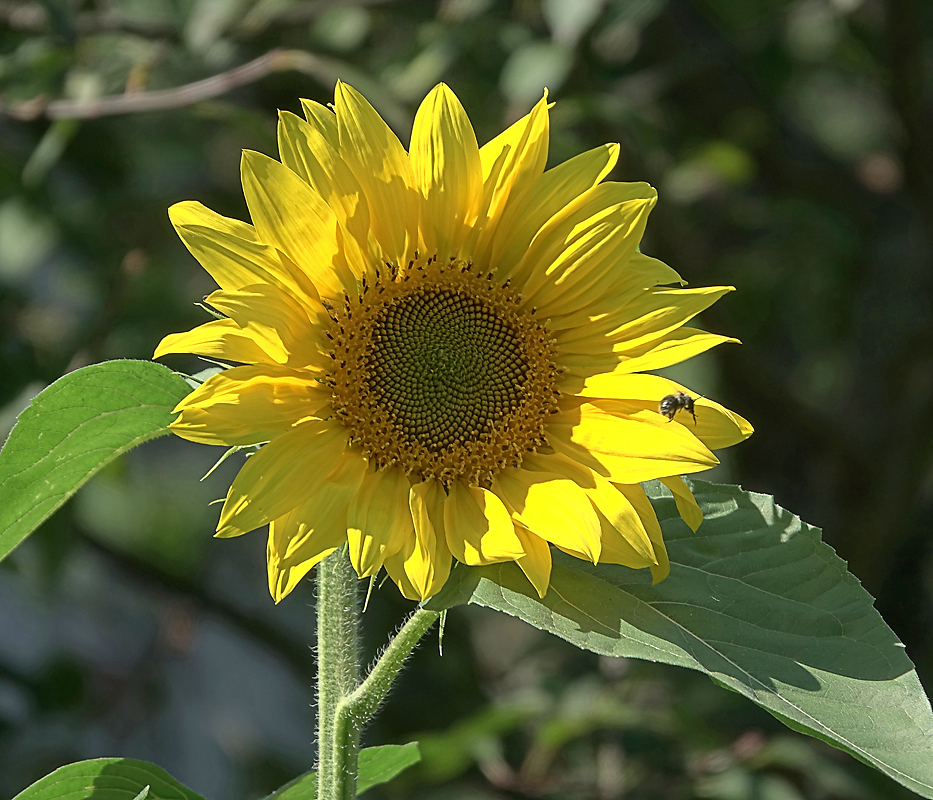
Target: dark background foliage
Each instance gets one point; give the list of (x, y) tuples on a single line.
[(789, 140)]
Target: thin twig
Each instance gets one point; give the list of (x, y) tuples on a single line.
[(324, 71), (180, 96)]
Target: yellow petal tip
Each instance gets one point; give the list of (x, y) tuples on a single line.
[(161, 349)]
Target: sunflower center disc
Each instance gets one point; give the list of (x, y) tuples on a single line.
[(447, 365), (441, 372)]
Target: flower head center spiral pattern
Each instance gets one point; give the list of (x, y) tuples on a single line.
[(440, 371)]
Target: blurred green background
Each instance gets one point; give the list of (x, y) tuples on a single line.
[(790, 143)]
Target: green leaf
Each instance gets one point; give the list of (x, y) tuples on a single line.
[(381, 764), (757, 602), (108, 779), (129, 779), (74, 428), (304, 787), (376, 765)]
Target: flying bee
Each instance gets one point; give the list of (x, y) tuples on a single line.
[(673, 403)]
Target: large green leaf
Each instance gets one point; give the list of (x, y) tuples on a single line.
[(73, 428), (108, 779), (376, 765), (756, 601)]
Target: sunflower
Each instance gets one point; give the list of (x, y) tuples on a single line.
[(443, 351)]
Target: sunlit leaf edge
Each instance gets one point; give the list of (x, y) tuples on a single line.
[(125, 778), (148, 420), (504, 588)]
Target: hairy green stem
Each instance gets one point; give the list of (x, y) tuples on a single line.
[(344, 704), (356, 709), (338, 616)]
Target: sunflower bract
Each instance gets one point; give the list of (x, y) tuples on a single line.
[(442, 351)]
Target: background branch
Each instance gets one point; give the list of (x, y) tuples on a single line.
[(179, 97), (325, 71)]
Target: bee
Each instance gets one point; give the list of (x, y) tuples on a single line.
[(673, 403)]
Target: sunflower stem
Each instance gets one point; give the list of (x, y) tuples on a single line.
[(344, 704), (338, 615), (357, 708)]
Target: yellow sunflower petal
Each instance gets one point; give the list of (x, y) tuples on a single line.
[(536, 563), (552, 507), (311, 532), (323, 119), (281, 476), (581, 246), (592, 323), (378, 519), (656, 312), (672, 348), (643, 319), (512, 164), (421, 568), (395, 567), (277, 322), (686, 503), (429, 566), (328, 505), (677, 346), (289, 214), (446, 166), (248, 405), (319, 538), (642, 505), (307, 151), (648, 320), (716, 426), (553, 190), (617, 549), (613, 506), (191, 213), (646, 271), (514, 159), (478, 526), (627, 444), (231, 252), (222, 339), (380, 164)]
